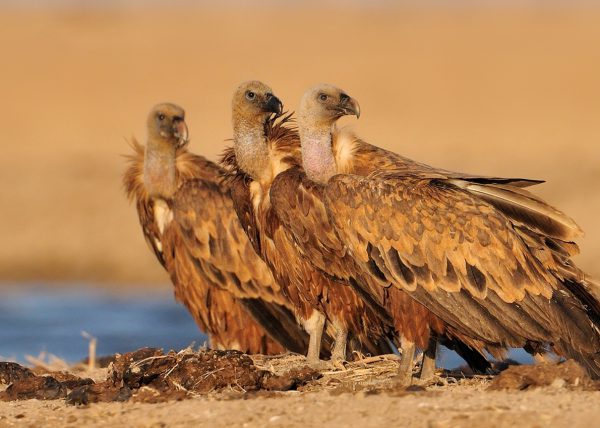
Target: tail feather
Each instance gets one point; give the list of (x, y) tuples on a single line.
[(578, 326), (516, 182), (525, 208), (474, 358), (588, 294), (279, 323)]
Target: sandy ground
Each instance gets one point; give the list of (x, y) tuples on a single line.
[(458, 407), (508, 92), (466, 403)]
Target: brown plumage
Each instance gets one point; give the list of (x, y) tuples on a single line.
[(484, 255), (188, 220), (263, 148), (299, 205)]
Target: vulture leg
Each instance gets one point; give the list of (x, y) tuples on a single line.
[(341, 339), (404, 376), (314, 327), (428, 364)]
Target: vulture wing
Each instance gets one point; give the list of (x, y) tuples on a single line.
[(298, 203), (367, 158), (461, 257), (221, 253), (505, 194), (215, 272), (225, 318), (216, 241)]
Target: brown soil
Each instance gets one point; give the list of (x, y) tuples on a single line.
[(225, 388), (509, 92)]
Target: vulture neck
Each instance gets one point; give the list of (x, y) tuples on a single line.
[(317, 153), (160, 172), (251, 149)]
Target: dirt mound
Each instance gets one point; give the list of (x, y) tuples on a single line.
[(149, 375), (13, 372), (567, 374)]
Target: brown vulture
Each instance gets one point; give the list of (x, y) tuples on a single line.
[(483, 255), (187, 218), (263, 148)]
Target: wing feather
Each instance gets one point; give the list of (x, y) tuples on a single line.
[(465, 261), (208, 258), (447, 245), (525, 208), (214, 236)]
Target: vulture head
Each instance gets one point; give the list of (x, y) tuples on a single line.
[(166, 122), (320, 108), (253, 103), (324, 104), (252, 106)]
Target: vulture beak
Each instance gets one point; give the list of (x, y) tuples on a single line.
[(180, 131), (349, 106), (273, 105)]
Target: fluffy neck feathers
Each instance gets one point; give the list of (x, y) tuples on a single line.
[(251, 149), (317, 153), (160, 173)]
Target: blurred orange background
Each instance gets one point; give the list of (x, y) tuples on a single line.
[(496, 90)]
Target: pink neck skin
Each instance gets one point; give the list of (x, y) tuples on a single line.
[(317, 155)]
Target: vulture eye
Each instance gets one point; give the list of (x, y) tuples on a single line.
[(250, 95), (323, 97), (161, 117)]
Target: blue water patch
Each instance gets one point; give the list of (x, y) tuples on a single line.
[(51, 321)]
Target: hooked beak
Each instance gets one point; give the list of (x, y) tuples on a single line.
[(274, 105), (180, 132), (350, 107)]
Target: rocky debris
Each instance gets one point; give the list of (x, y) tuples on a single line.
[(39, 387), (148, 375), (69, 380), (131, 369), (194, 372), (155, 376), (13, 372), (25, 384), (566, 374)]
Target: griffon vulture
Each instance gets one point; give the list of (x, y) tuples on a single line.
[(488, 258), (188, 220), (264, 147)]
